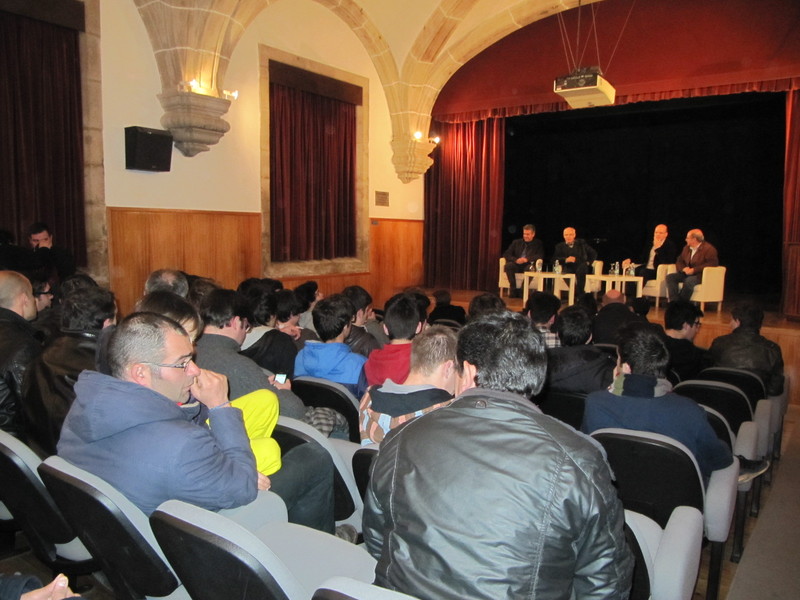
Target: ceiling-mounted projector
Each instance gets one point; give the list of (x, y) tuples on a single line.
[(585, 87)]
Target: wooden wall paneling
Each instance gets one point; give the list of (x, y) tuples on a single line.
[(395, 256)]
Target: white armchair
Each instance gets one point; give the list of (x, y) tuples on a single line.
[(712, 288), (657, 288), (503, 282)]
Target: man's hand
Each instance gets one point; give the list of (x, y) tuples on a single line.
[(688, 270), (263, 482), (210, 388), (286, 385), (521, 260), (570, 259), (292, 330)]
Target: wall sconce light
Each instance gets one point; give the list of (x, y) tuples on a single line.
[(230, 95), (417, 135), (435, 139)]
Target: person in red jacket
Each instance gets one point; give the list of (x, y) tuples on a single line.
[(402, 321)]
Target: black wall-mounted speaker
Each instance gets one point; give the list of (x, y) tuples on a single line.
[(148, 149)]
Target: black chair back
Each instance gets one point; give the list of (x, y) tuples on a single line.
[(654, 474), (726, 399), (287, 439), (320, 392), (362, 463), (212, 567), (34, 510), (748, 382), (133, 567), (564, 406)]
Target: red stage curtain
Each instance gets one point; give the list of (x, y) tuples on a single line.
[(791, 208), (41, 131), (464, 206), (312, 177)]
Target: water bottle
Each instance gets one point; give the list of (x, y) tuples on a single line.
[(557, 267)]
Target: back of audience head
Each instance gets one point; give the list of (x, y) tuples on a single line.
[(574, 326), (749, 315), (503, 352), (587, 302), (221, 306), (613, 297), (442, 297), (88, 309), (640, 306), (308, 293), (679, 313), (16, 294), (542, 307), (199, 288), (641, 348), (74, 282), (362, 302), (485, 303), (431, 348), (287, 306), (174, 307), (423, 302), (42, 293), (140, 338), (169, 280), (332, 315), (402, 317)]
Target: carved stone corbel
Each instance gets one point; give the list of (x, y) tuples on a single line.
[(194, 120)]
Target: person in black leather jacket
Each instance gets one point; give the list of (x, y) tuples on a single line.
[(48, 387), (745, 348), (488, 498), (18, 345)]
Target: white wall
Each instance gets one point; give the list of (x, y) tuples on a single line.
[(228, 176)]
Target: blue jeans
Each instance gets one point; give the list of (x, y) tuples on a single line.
[(305, 484)]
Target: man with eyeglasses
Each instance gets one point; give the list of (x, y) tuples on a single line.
[(136, 430), (681, 325)]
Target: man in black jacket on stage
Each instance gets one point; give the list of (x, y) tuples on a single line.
[(575, 256), (521, 254)]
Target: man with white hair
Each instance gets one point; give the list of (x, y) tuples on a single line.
[(18, 345)]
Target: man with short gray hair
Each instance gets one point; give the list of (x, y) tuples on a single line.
[(18, 345), (168, 280)]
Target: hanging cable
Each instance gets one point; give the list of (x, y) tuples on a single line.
[(620, 36), (571, 63), (596, 39)]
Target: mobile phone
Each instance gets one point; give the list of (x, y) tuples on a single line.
[(280, 377)]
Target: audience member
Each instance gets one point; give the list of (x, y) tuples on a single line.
[(662, 251), (613, 315), (642, 399), (521, 256), (430, 385), (541, 309), (745, 348), (588, 302), (49, 382), (262, 306), (454, 487), (485, 303), (445, 310), (401, 322), (575, 256), (18, 346), (48, 320), (272, 350), (53, 263), (199, 288), (695, 256), (681, 324), (308, 293), (136, 430), (175, 307), (287, 315), (331, 358), (167, 280), (29, 587), (577, 366), (226, 315), (360, 340)]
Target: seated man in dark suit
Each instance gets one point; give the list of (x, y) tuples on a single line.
[(661, 252), (520, 256), (575, 256)]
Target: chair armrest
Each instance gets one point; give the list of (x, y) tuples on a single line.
[(763, 419), (677, 560), (721, 501)]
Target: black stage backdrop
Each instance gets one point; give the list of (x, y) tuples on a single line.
[(715, 163)]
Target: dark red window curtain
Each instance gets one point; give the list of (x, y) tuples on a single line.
[(41, 131), (464, 205), (791, 208), (312, 176)]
